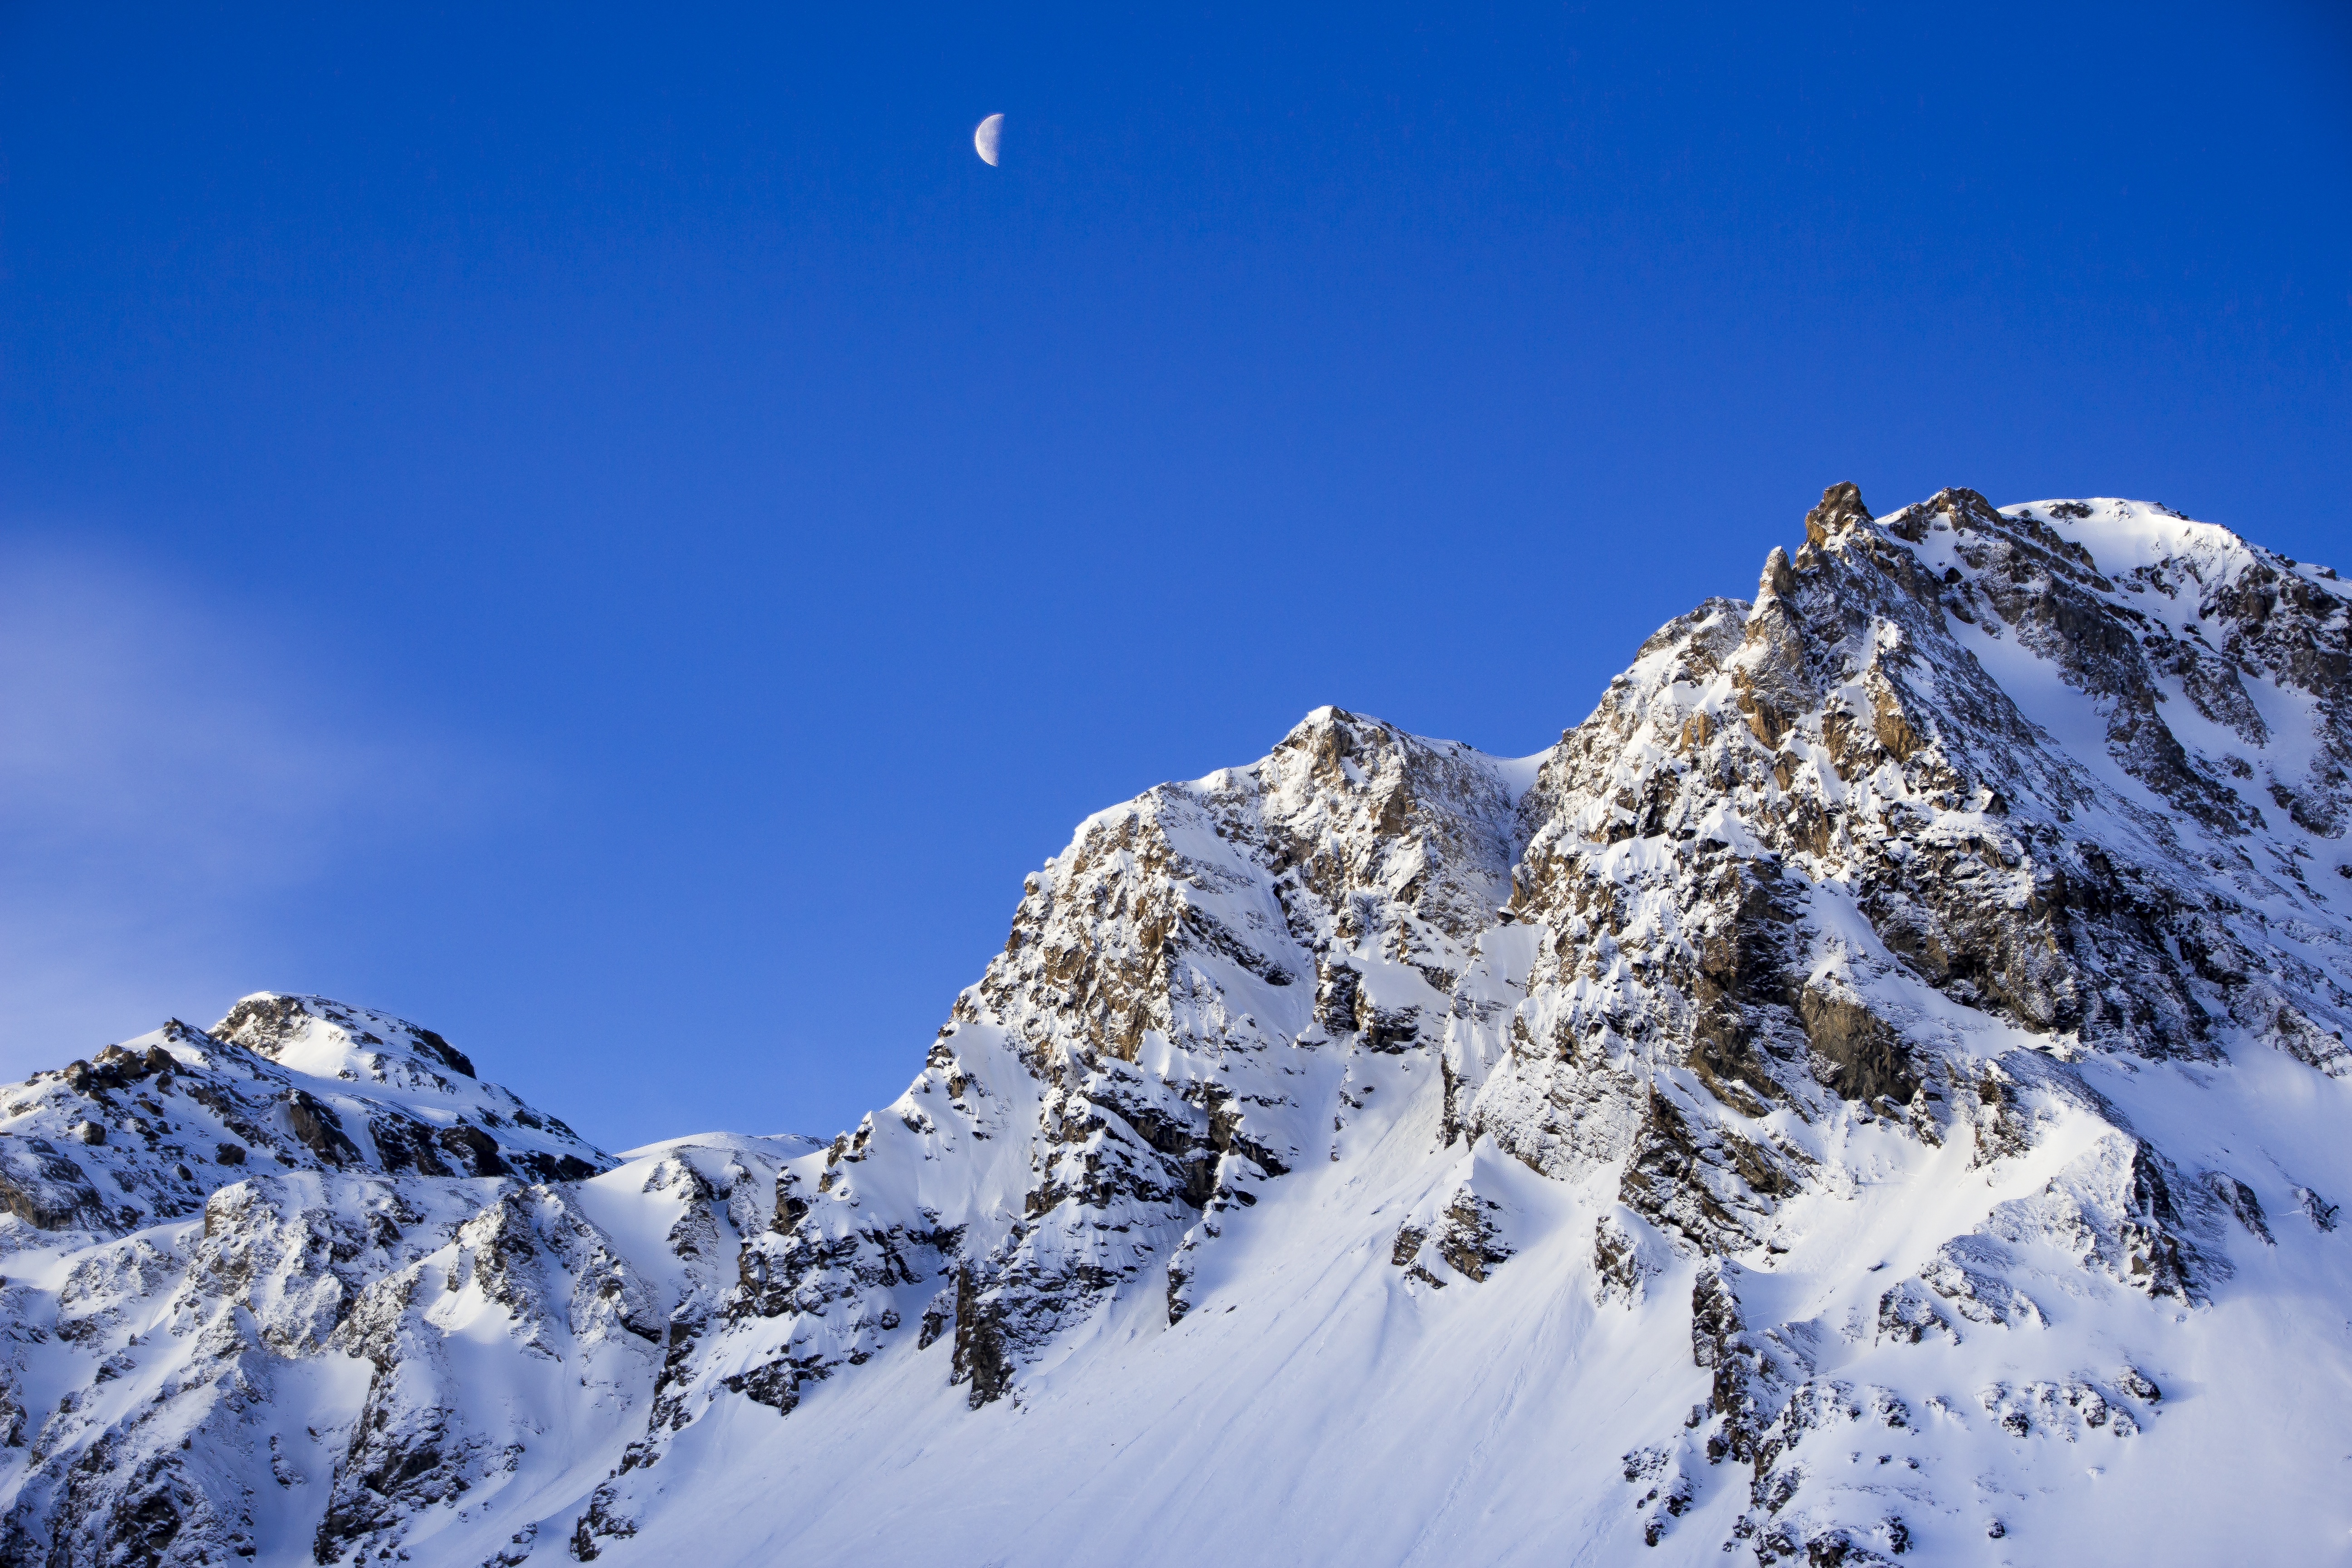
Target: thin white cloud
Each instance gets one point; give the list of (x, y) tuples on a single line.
[(170, 775)]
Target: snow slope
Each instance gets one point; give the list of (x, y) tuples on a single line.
[(1875, 1091)]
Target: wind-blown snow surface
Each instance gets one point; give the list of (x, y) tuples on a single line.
[(1876, 1089)]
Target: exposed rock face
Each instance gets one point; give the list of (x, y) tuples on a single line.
[(1806, 1114), (1147, 1055)]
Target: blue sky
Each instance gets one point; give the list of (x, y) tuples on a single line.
[(611, 532)]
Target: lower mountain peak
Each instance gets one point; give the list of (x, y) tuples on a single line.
[(329, 1040)]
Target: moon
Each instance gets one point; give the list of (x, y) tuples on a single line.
[(985, 139)]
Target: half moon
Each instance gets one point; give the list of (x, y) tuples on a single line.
[(984, 140)]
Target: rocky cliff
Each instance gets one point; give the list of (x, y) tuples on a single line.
[(1874, 1090)]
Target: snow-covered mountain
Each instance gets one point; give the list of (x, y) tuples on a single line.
[(1876, 1089)]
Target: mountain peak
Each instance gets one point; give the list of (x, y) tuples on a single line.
[(1827, 1108), (328, 1038), (1840, 508)]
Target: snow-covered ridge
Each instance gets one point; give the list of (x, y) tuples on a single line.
[(282, 1082), (1874, 1091)]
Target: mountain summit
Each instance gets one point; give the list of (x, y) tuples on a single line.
[(1876, 1089)]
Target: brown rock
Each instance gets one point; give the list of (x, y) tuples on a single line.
[(1840, 509)]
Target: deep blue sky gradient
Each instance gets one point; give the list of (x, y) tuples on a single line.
[(609, 532)]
